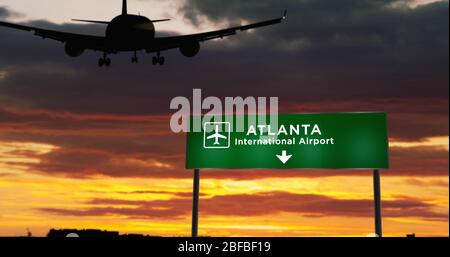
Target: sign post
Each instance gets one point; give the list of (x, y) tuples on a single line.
[(195, 202), (294, 141), (377, 199)]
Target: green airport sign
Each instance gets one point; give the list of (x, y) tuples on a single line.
[(296, 141)]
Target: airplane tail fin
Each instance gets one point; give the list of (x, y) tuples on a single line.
[(124, 7)]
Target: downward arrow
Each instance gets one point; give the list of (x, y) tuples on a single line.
[(283, 157)]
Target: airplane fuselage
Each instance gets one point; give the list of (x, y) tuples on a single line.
[(130, 32)]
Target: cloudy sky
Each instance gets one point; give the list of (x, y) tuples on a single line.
[(83, 147)]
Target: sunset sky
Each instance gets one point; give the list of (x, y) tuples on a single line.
[(83, 147)]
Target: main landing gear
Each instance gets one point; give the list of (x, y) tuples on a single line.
[(104, 61), (158, 59), (134, 59)]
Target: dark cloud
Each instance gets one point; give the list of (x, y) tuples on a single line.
[(408, 119), (403, 161), (81, 163), (153, 192), (3, 12), (7, 13), (358, 48), (256, 204), (358, 30), (324, 51)]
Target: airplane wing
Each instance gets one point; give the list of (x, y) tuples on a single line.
[(221, 136), (212, 136), (165, 43), (85, 41), (217, 136), (98, 43)]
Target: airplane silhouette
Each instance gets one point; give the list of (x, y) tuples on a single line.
[(216, 136), (132, 33)]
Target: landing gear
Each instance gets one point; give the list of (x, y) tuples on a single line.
[(104, 61), (158, 59), (135, 58)]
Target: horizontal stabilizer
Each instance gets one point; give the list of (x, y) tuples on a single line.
[(161, 20), (89, 21)]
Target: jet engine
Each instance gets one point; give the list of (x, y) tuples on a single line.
[(190, 49), (73, 50)]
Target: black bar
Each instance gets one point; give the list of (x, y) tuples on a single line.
[(377, 199), (135, 246), (195, 201)]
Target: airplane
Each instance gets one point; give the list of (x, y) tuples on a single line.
[(216, 136), (133, 33)]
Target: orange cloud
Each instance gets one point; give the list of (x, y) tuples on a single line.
[(268, 203)]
